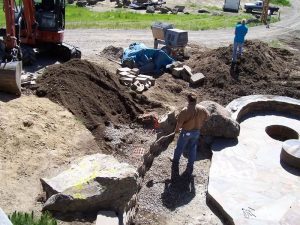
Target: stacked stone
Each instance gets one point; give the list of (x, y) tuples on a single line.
[(137, 82)]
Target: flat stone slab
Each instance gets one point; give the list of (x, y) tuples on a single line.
[(247, 181), (4, 219), (94, 182)]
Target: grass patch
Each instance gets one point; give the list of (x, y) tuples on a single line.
[(20, 218), (121, 19), (281, 2), (275, 44)]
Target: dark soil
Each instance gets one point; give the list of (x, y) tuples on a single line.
[(93, 95), (112, 52), (261, 70)]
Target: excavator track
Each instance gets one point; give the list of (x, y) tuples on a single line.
[(67, 52)]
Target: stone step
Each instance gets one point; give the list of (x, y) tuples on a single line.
[(107, 218)]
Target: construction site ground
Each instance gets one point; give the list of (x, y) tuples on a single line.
[(39, 138)]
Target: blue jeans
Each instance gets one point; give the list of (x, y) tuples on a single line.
[(237, 50), (188, 139)]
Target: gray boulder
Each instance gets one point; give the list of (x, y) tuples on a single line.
[(95, 182), (220, 123)]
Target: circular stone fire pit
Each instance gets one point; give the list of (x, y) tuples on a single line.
[(281, 133), (290, 153)]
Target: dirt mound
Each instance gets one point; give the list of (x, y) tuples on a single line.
[(92, 94), (112, 52), (38, 139), (261, 70)]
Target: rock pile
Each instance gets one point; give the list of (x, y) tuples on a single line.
[(178, 70), (137, 82)]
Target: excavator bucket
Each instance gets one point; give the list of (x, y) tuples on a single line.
[(10, 77)]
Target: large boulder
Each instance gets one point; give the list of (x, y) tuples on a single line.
[(94, 182), (220, 123)]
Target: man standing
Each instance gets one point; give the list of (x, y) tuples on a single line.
[(190, 120), (240, 32)]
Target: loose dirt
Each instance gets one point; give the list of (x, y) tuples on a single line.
[(38, 139), (261, 70), (93, 95), (107, 109)]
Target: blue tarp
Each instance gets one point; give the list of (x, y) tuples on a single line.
[(144, 57)]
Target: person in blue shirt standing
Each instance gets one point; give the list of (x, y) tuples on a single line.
[(240, 32)]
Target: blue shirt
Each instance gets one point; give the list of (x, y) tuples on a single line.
[(240, 33)]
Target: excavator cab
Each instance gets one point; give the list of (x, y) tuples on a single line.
[(32, 26)]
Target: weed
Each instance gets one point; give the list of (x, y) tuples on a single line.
[(20, 218), (281, 2)]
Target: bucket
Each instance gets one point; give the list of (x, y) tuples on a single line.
[(10, 77)]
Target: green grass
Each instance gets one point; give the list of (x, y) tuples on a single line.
[(281, 2), (19, 218), (275, 44), (77, 17), (121, 19)]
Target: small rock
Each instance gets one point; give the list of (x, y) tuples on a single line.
[(142, 80), (177, 72), (197, 78), (123, 69), (135, 71), (138, 87), (126, 81), (27, 123), (187, 73), (150, 79)]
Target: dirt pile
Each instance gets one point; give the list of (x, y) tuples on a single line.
[(112, 52), (261, 70), (92, 94)]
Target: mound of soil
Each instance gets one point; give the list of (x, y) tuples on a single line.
[(112, 52), (92, 94), (261, 70)]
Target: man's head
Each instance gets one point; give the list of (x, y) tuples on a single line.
[(243, 21), (192, 99)]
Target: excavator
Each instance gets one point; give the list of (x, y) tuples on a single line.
[(31, 26)]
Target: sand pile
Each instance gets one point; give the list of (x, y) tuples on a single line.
[(261, 70), (92, 94)]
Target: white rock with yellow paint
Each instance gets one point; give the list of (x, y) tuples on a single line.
[(94, 182)]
